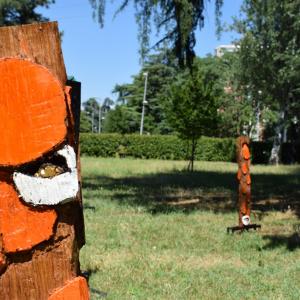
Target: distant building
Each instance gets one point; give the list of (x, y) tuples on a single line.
[(222, 49)]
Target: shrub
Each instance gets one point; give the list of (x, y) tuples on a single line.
[(155, 147)]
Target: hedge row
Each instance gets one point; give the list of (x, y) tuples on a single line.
[(171, 147), (155, 147)]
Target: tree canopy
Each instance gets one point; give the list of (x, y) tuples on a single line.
[(13, 12), (177, 19), (161, 72), (191, 107), (270, 60)]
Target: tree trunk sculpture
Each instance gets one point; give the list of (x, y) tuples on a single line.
[(41, 220), (243, 176), (244, 179)]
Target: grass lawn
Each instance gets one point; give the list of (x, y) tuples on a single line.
[(154, 231)]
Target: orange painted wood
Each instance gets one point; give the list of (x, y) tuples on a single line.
[(245, 168), (243, 159), (21, 226), (39, 43), (77, 289), (245, 152), (36, 272), (32, 111), (248, 179), (244, 187)]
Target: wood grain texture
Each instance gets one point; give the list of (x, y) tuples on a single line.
[(39, 43), (34, 273), (35, 276)]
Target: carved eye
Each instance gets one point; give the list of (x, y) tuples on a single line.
[(51, 184), (48, 170)]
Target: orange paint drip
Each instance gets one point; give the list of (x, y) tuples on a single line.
[(77, 289), (32, 111), (22, 227)]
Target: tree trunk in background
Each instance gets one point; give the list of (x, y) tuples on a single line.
[(275, 157), (193, 154), (43, 261)]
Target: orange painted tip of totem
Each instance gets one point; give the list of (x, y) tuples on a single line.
[(248, 179), (245, 168), (32, 111), (22, 227), (239, 174), (246, 152), (76, 289)]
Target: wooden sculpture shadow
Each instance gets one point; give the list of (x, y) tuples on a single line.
[(200, 190)]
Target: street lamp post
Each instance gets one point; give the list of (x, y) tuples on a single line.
[(144, 102), (258, 113), (92, 121), (99, 118)]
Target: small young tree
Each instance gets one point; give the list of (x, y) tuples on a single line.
[(191, 109)]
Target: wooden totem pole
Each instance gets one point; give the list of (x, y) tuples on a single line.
[(41, 220), (244, 179)]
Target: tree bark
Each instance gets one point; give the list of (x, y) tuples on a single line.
[(39, 245), (193, 154)]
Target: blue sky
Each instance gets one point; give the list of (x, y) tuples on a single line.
[(101, 58)]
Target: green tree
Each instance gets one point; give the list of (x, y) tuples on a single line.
[(13, 12), (122, 119), (160, 74), (178, 19), (192, 108), (94, 113), (236, 109), (270, 61), (91, 111), (85, 122)]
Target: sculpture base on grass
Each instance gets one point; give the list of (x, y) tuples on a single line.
[(242, 228)]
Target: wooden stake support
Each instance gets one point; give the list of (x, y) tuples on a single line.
[(41, 217)]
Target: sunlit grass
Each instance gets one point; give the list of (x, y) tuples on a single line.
[(155, 231)]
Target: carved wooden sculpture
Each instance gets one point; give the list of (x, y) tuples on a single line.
[(244, 178), (41, 221)]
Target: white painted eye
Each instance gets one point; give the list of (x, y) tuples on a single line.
[(246, 220), (50, 191)]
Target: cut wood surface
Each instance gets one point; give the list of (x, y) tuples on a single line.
[(32, 111), (75, 289), (39, 43)]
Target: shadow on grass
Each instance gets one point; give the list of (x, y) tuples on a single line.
[(201, 190), (290, 242)]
